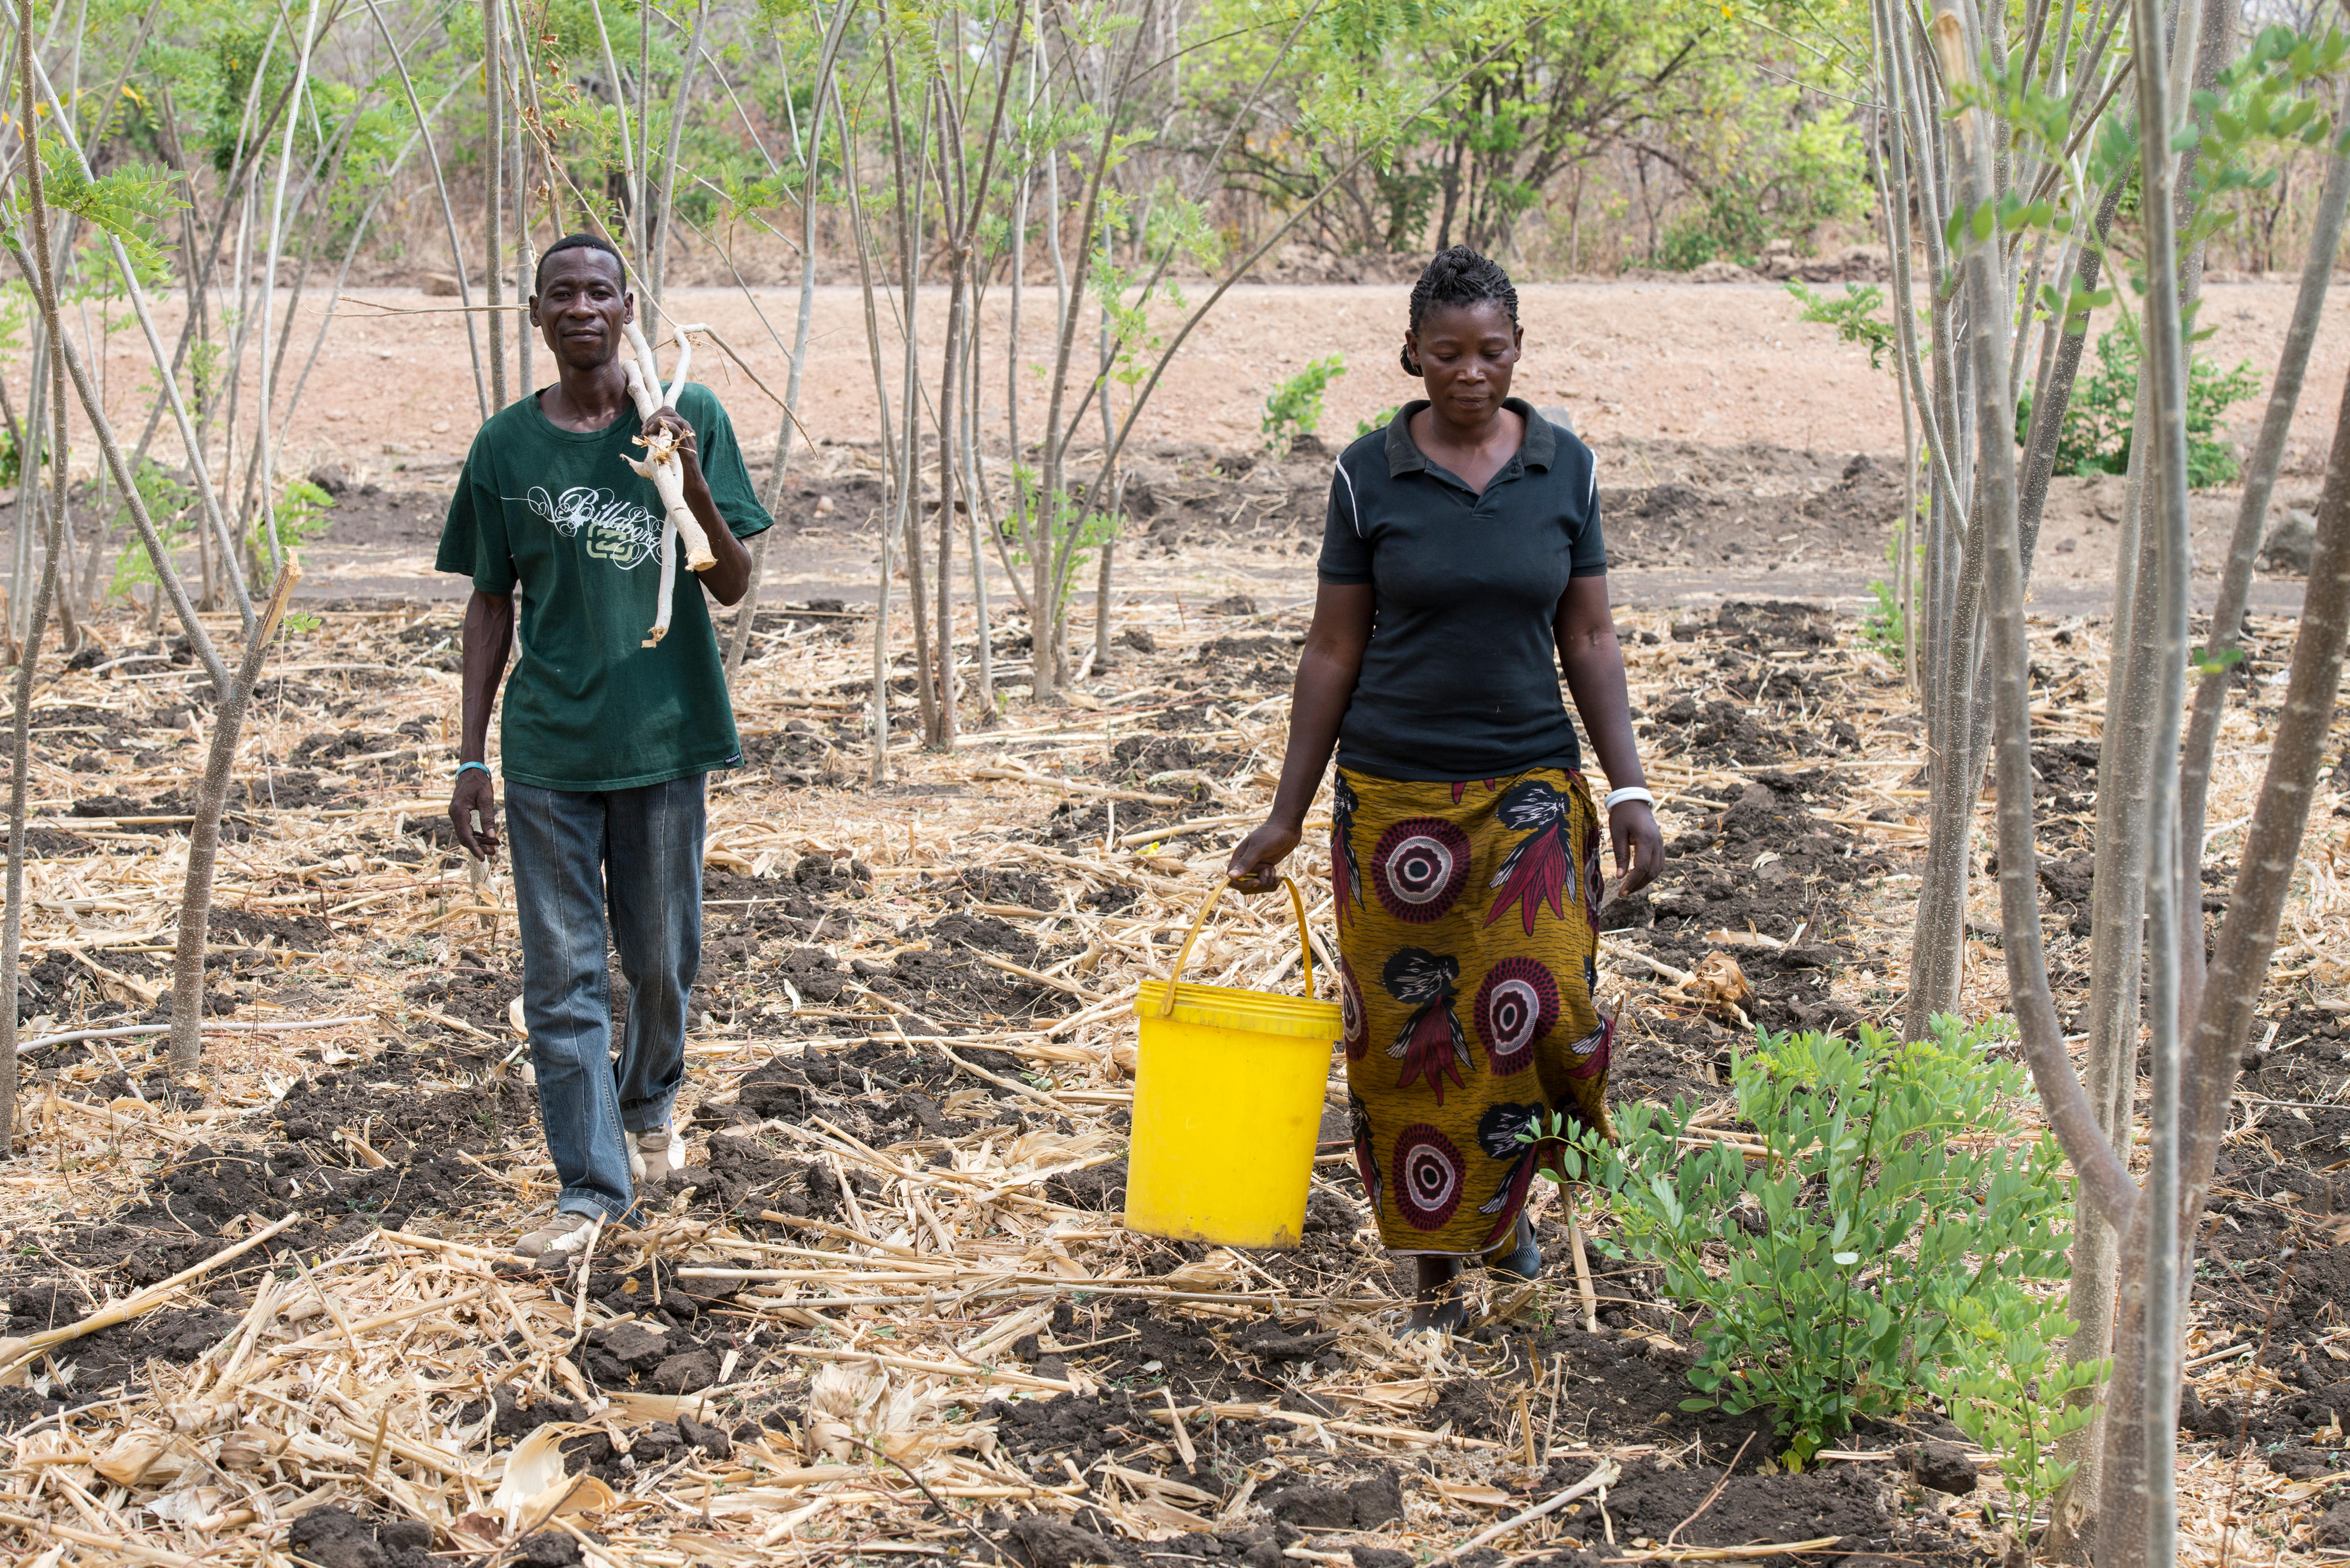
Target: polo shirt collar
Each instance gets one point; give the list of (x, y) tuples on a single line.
[(1538, 450)]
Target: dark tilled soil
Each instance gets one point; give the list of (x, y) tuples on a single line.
[(1764, 693)]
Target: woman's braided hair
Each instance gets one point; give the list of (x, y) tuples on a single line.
[(1458, 276)]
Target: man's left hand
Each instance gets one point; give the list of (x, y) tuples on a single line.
[(666, 418)]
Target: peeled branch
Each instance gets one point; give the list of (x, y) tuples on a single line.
[(661, 464)]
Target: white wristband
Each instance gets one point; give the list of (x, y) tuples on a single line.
[(1631, 792)]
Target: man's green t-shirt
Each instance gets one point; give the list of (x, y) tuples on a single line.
[(561, 515)]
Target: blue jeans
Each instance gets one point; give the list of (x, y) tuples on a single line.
[(578, 855)]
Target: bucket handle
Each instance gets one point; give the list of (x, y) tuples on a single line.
[(1175, 970)]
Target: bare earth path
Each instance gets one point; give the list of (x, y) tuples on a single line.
[(1722, 390)]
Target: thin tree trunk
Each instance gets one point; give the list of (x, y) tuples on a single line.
[(20, 752), (670, 157), (2139, 1517), (448, 209), (204, 836), (518, 74), (2251, 513), (2247, 938), (909, 468), (493, 202), (28, 482), (975, 506), (950, 376), (861, 234), (629, 237), (644, 194), (199, 642), (965, 207), (1044, 600), (2117, 916), (747, 616)]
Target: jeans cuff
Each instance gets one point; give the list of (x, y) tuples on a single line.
[(595, 1205), (655, 1113)]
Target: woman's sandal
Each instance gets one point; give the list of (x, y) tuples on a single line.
[(1523, 1261)]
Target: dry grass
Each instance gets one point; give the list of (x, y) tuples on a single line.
[(340, 1380)]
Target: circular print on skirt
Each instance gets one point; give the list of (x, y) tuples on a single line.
[(1517, 1006), (1419, 867), (1350, 1013), (1428, 1176)]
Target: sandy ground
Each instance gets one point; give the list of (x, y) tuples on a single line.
[(1719, 364), (1646, 370)]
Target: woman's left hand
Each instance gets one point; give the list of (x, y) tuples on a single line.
[(1640, 845)]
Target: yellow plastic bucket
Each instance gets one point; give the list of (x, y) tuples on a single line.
[(1227, 1105)]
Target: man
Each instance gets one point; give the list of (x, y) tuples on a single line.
[(606, 742)]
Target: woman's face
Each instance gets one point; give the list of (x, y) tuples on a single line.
[(1466, 353)]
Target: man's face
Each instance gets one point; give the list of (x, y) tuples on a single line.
[(580, 305)]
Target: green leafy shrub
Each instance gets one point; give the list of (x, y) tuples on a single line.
[(171, 507), (1854, 318), (303, 512), (1885, 625), (1879, 1252), (2007, 1389), (2095, 435), (1295, 407), (1378, 422)]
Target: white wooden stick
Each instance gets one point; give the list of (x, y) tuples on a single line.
[(661, 462), (1606, 1472)]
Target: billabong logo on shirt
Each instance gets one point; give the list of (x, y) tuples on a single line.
[(616, 531)]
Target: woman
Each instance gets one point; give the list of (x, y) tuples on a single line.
[(1462, 569)]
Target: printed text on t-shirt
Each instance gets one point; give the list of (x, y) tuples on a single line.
[(618, 530)]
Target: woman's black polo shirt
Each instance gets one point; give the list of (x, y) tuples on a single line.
[(1461, 679)]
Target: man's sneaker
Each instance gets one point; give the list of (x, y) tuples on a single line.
[(560, 1239), (654, 1156)]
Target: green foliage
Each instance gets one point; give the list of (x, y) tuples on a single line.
[(1854, 318), (1901, 1210), (1295, 407), (2008, 1387), (1814, 175), (2095, 435), (1887, 625), (126, 202), (1537, 88), (303, 512), (1728, 226), (1071, 535), (171, 507), (1378, 422)]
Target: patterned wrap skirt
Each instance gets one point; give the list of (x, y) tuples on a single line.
[(1468, 936)]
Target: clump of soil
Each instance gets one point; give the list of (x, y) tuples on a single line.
[(796, 902), (948, 982), (1837, 1501), (1761, 863), (1751, 507), (478, 996), (1141, 759), (993, 885), (307, 933)]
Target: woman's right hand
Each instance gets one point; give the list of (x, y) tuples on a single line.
[(1255, 866)]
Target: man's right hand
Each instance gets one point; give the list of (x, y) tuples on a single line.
[(475, 793)]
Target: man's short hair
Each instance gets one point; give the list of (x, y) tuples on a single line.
[(579, 242)]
